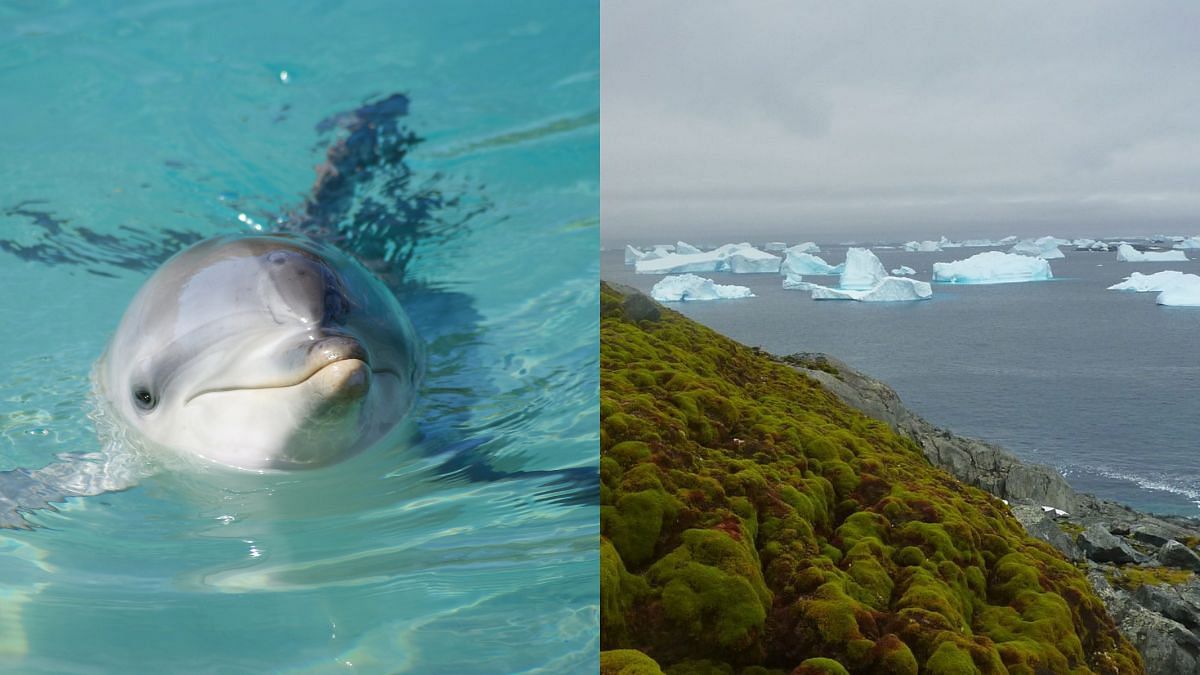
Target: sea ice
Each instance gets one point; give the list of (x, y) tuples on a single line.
[(806, 247), (689, 287), (793, 282), (807, 263), (1149, 283), (1184, 293), (753, 261), (632, 255), (685, 248), (775, 246), (889, 289), (720, 259), (863, 270), (1127, 253), (923, 246), (903, 271), (992, 267), (1045, 248), (1190, 242)]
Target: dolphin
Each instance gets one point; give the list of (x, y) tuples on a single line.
[(258, 353)]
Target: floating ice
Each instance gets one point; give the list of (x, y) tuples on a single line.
[(1149, 283), (1190, 242), (775, 246), (863, 270), (749, 259), (992, 267), (889, 289), (632, 255), (753, 261), (807, 263), (1127, 253), (923, 246), (806, 247), (1045, 248), (1184, 293), (689, 287), (685, 248), (903, 271), (793, 282), (1090, 245)]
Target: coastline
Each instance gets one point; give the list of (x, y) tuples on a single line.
[(1141, 565)]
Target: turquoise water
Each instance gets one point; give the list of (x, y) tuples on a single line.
[(470, 548)]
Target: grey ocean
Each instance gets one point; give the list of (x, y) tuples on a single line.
[(1103, 385)]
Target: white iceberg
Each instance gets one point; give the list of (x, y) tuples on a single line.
[(863, 270), (689, 287), (686, 248), (749, 259), (1090, 245), (1150, 283), (1045, 248), (1184, 293), (632, 255), (903, 271), (992, 267), (753, 261), (806, 247), (1189, 243), (807, 263), (793, 282), (889, 289), (1127, 253), (923, 246), (775, 246)]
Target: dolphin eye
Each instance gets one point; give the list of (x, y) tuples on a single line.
[(143, 399)]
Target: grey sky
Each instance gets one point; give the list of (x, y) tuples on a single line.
[(837, 120)]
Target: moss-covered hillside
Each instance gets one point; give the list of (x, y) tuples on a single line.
[(752, 523)]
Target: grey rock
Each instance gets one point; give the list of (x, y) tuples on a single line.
[(639, 307), (1175, 554), (1098, 544), (1169, 602), (1166, 646), (1151, 534)]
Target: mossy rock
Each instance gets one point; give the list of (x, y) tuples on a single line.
[(627, 662), (820, 666), (754, 521)]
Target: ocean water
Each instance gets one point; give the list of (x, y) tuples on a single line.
[(1103, 385), (131, 128)]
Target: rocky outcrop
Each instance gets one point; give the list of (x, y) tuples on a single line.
[(1142, 566)]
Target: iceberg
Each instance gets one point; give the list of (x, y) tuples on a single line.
[(753, 261), (720, 259), (1184, 293), (793, 282), (807, 263), (1045, 248), (632, 255), (889, 289), (775, 246), (685, 248), (863, 270), (992, 267), (1190, 242), (1127, 253), (1007, 241), (689, 287), (806, 247), (1090, 245), (1149, 283), (903, 271), (923, 246)]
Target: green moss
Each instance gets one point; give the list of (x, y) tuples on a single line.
[(820, 666), (755, 523), (699, 667), (627, 662), (1132, 578)]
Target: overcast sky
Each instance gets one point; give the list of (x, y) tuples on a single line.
[(837, 120)]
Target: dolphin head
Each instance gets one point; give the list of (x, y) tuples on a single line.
[(263, 352)]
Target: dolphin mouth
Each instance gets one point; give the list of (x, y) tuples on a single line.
[(329, 363)]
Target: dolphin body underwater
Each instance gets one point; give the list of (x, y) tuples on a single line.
[(264, 352)]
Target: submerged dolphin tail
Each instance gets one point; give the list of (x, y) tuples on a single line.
[(23, 491)]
